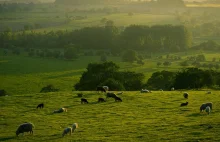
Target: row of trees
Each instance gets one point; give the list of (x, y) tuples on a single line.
[(108, 73), (155, 38)]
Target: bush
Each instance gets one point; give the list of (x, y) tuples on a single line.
[(113, 84), (49, 88)]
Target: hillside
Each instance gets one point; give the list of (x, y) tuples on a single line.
[(140, 117)]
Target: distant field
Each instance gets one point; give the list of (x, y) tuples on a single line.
[(152, 117), (57, 21), (203, 5), (23, 74)]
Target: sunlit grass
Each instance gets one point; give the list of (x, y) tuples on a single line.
[(140, 117)]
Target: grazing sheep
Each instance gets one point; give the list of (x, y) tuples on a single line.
[(101, 100), (25, 127), (203, 106), (100, 88), (106, 88), (184, 104), (161, 90), (185, 95), (172, 89), (40, 106), (209, 104), (209, 92), (145, 91), (60, 110), (117, 99), (70, 129), (66, 131), (75, 125), (84, 101), (208, 109), (110, 95)]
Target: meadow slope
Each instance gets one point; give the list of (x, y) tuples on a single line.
[(143, 117)]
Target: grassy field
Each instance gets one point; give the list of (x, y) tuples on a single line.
[(22, 74), (143, 117)]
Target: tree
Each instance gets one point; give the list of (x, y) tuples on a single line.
[(129, 56), (70, 53)]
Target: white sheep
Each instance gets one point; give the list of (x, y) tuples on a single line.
[(208, 109), (106, 88), (172, 89), (70, 129), (60, 110)]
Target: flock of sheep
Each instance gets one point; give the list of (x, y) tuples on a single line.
[(28, 127)]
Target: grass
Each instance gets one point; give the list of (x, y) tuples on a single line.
[(140, 117), (22, 74)]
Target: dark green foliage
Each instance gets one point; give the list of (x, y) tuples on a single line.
[(108, 73), (166, 63), (70, 53), (49, 88), (209, 46), (154, 39), (113, 84), (2, 92), (161, 80), (140, 62), (193, 78), (159, 63), (184, 63), (129, 56)]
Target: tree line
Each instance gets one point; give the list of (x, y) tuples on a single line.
[(155, 38), (108, 73)]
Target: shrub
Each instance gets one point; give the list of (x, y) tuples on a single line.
[(49, 88)]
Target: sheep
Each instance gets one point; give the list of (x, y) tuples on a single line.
[(161, 90), (100, 88), (172, 89), (145, 91), (117, 99), (184, 104), (101, 100), (66, 131), (25, 127), (208, 109), (40, 106), (83, 101), (185, 95), (70, 129), (209, 92), (60, 110), (106, 88), (203, 106), (110, 95)]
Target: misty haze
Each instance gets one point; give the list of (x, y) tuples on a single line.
[(109, 70)]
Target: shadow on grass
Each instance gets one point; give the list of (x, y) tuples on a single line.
[(7, 138), (194, 115)]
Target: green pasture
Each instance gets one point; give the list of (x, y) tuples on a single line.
[(151, 117), (23, 74)]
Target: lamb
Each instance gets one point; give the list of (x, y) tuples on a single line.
[(117, 99), (60, 110), (203, 106), (184, 104), (185, 95), (83, 101), (70, 129), (40, 106), (208, 109), (101, 100), (145, 91), (66, 131), (25, 127)]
